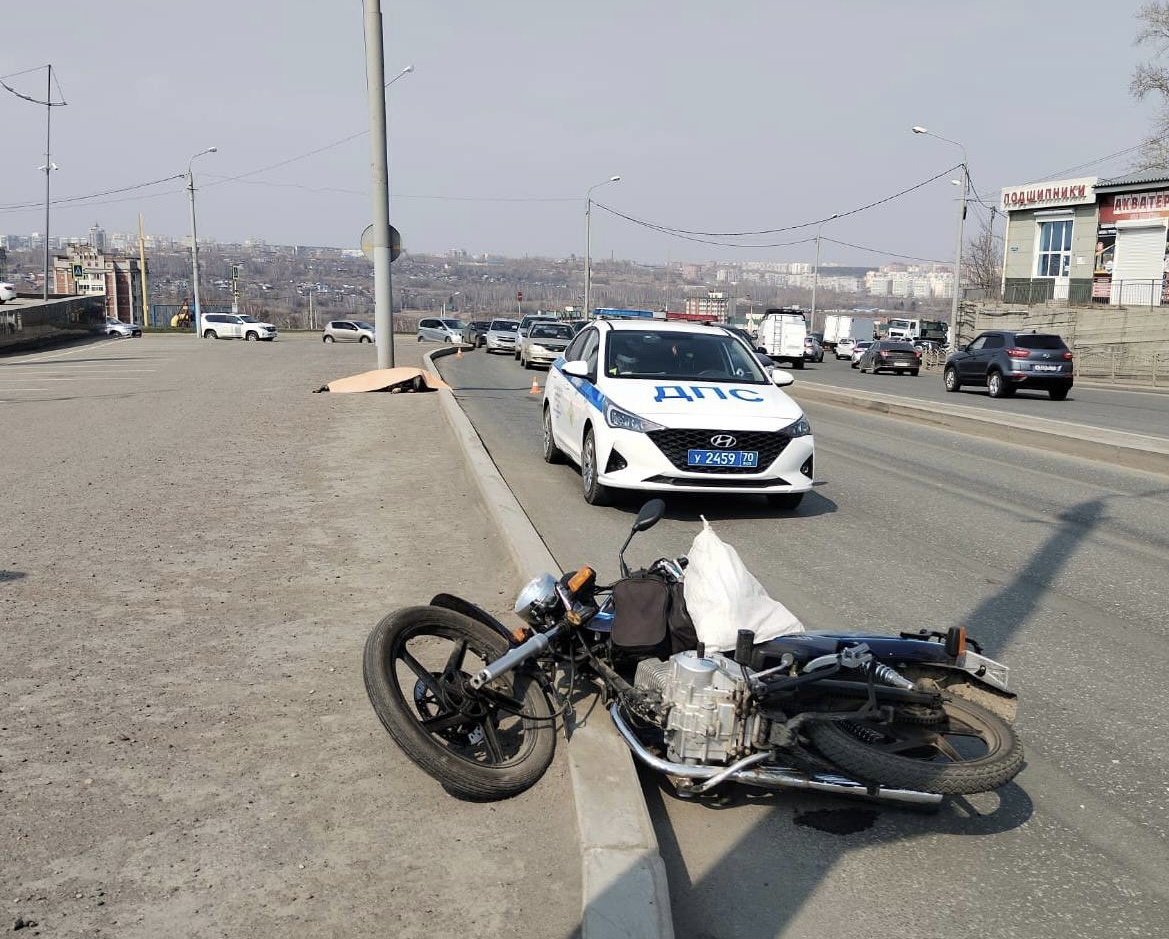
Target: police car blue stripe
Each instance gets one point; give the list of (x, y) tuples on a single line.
[(590, 392)]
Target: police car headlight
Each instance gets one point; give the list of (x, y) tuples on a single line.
[(623, 420), (800, 428)]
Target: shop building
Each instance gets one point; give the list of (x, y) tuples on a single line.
[(1088, 241)]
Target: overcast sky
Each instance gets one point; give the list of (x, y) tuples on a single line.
[(738, 116)]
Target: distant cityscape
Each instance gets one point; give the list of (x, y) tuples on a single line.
[(301, 286)]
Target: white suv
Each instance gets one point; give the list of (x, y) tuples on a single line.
[(236, 326), (7, 292)]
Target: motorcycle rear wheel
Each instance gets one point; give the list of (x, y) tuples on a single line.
[(970, 750), (488, 744)]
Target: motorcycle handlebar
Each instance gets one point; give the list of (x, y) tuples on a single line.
[(515, 657)]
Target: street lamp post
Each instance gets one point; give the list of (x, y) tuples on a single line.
[(589, 243), (816, 269), (964, 185), (197, 313)]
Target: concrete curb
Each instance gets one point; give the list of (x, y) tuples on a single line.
[(624, 892), (1132, 451)]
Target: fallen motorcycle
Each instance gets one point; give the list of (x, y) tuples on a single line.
[(475, 703)]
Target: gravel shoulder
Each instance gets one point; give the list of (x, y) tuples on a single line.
[(192, 551)]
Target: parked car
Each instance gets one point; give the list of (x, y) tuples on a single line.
[(475, 332), (1006, 361), (236, 326), (348, 331), (526, 324), (7, 292), (545, 343), (858, 349), (746, 337), (115, 327), (890, 355), (844, 348), (813, 351), (434, 329), (674, 407), (501, 336)]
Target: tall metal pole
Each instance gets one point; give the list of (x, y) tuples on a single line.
[(49, 104), (816, 269), (48, 169), (197, 313), (815, 279), (375, 82), (142, 273), (964, 183), (956, 306), (588, 314), (589, 244)]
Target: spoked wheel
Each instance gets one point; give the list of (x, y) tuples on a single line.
[(487, 744), (958, 750)]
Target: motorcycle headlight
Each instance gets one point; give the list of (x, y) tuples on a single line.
[(537, 596), (800, 428), (623, 420)]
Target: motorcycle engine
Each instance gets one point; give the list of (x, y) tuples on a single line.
[(701, 702)]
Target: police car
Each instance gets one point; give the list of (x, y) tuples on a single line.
[(674, 407)]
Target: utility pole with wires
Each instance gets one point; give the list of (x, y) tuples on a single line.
[(49, 166)]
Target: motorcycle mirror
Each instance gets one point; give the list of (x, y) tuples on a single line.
[(651, 513)]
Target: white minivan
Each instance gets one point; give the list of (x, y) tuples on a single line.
[(436, 329)]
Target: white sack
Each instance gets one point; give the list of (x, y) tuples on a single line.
[(724, 597)]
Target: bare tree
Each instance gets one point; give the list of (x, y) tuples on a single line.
[(1153, 80), (982, 264)]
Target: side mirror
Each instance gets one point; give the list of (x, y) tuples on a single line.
[(651, 513), (782, 379), (578, 368)]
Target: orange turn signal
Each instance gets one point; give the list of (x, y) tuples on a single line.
[(580, 578)]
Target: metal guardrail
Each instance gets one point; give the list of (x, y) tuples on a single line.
[(1123, 365)]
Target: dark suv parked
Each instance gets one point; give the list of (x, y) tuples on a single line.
[(1006, 361)]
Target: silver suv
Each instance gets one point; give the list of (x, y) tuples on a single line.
[(348, 331)]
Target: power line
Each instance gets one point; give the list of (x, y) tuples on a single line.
[(887, 254), (669, 230), (96, 195)]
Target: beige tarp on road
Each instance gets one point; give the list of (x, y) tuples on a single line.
[(393, 380)]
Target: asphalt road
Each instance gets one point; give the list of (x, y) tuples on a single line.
[(1056, 564), (1134, 411)]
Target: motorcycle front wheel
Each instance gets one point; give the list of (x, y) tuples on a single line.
[(484, 744), (965, 750)]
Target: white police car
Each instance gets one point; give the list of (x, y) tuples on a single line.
[(674, 407)]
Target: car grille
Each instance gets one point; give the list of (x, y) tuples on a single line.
[(674, 443)]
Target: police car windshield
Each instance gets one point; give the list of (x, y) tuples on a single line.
[(713, 356)]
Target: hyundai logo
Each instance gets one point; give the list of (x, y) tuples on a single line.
[(724, 441)]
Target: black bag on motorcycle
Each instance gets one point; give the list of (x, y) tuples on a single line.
[(650, 617)]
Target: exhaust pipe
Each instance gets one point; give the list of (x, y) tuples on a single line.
[(773, 777)]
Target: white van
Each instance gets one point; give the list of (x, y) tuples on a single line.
[(781, 334)]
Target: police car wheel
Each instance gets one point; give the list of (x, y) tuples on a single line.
[(552, 453), (594, 492)]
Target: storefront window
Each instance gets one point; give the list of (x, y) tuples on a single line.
[(1055, 248)]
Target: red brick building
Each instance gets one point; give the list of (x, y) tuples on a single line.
[(85, 271)]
